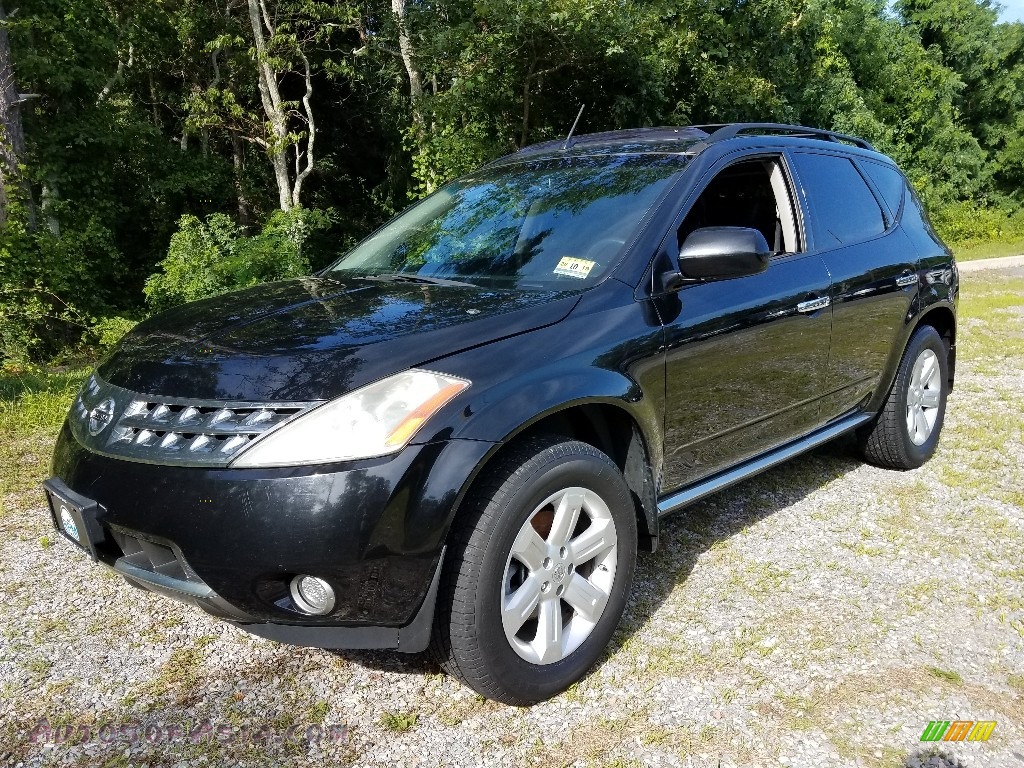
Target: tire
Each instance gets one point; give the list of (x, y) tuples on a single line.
[(516, 506), (918, 396)]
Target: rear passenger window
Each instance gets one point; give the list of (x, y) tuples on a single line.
[(889, 183), (843, 208)]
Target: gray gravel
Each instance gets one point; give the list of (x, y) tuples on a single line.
[(819, 615)]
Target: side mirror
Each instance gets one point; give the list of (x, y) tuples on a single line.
[(720, 253)]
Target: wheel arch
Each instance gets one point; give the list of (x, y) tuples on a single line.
[(941, 317), (943, 320), (607, 426), (612, 430)]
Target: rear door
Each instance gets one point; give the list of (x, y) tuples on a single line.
[(745, 358), (872, 266)]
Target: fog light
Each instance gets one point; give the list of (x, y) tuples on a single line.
[(312, 595)]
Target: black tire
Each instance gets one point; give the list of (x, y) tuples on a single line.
[(469, 639), (887, 442)]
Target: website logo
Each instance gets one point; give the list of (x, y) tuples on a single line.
[(958, 730)]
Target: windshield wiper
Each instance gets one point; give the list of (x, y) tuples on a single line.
[(401, 277)]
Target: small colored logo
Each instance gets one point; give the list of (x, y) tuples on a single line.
[(68, 522), (958, 730)]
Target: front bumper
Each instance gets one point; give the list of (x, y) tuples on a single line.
[(229, 541)]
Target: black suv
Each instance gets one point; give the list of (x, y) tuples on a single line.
[(460, 433)]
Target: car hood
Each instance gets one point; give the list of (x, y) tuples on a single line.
[(316, 338)]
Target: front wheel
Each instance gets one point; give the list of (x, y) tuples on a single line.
[(540, 563), (906, 432)]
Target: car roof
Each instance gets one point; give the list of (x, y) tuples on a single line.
[(666, 140), (692, 140)]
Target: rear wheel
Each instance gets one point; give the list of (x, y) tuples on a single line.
[(539, 567), (906, 432)]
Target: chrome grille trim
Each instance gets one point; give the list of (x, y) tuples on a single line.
[(155, 429)]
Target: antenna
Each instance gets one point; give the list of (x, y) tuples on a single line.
[(573, 129)]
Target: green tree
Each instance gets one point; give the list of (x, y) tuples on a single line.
[(988, 58)]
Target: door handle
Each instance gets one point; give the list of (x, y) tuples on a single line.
[(813, 305), (906, 279)]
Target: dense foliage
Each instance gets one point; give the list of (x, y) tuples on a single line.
[(212, 256), (154, 151)]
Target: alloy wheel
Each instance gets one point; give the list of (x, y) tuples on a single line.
[(559, 575), (924, 395)]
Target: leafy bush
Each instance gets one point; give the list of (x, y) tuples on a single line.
[(967, 223), (211, 256), (23, 312), (107, 331), (447, 152), (50, 282)]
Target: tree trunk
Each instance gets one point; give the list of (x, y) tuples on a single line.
[(304, 158), (238, 160), (12, 135), (108, 87), (408, 55), (526, 105), (270, 95), (157, 122), (50, 194)]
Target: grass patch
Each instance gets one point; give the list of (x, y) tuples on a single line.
[(919, 593), (759, 579), (37, 399), (180, 674), (670, 659), (449, 719), (975, 457), (992, 250), (592, 744), (157, 632), (948, 675), (798, 712), (48, 625), (33, 404), (656, 735), (991, 322), (400, 722), (318, 712), (38, 667)]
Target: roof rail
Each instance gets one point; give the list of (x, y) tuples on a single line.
[(722, 132)]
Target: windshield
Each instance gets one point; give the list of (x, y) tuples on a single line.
[(549, 224)]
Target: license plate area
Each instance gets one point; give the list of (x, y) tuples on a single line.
[(75, 517)]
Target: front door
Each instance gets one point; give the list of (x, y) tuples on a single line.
[(746, 357)]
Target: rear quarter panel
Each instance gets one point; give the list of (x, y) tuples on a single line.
[(938, 285)]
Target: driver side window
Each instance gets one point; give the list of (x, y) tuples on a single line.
[(750, 193)]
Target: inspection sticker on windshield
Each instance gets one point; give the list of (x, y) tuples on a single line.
[(574, 267)]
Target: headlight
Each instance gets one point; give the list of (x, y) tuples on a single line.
[(379, 419)]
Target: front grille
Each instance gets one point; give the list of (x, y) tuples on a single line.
[(192, 430), (117, 422)]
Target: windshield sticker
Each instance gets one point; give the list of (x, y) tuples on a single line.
[(572, 267)]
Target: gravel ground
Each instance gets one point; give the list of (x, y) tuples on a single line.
[(819, 615)]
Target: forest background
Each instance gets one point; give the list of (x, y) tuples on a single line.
[(158, 151)]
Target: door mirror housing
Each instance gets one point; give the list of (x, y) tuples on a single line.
[(720, 253)]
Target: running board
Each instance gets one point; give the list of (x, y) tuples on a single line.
[(677, 501)]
